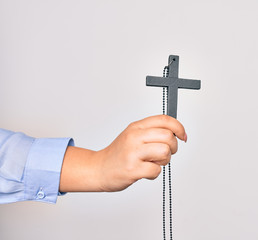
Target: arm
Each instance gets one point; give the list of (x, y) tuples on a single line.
[(138, 152), (30, 167)]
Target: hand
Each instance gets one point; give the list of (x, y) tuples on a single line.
[(138, 152)]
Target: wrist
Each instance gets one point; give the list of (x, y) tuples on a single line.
[(81, 171)]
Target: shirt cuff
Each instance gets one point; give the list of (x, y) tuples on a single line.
[(43, 168)]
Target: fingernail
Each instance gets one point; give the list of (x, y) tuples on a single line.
[(185, 138)]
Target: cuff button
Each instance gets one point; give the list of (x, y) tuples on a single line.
[(40, 194)]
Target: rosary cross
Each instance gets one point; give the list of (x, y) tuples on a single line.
[(172, 83)]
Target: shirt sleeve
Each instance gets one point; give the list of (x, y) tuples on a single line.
[(30, 167)]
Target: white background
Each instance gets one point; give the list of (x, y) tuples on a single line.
[(77, 69)]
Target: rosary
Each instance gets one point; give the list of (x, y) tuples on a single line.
[(170, 83)]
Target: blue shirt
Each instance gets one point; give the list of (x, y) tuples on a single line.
[(30, 167)]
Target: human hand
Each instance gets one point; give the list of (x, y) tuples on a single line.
[(139, 151)]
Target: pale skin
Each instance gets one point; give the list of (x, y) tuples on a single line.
[(138, 152)]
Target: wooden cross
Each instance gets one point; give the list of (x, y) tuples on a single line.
[(172, 83)]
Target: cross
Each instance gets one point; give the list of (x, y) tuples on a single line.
[(172, 83)]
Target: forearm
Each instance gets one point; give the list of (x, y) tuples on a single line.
[(80, 171)]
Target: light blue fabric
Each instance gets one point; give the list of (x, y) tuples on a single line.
[(30, 167)]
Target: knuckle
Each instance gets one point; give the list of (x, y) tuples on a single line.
[(135, 125), (165, 162), (131, 125), (175, 148), (130, 135), (165, 151), (174, 151), (168, 136)]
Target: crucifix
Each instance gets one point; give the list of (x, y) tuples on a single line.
[(170, 83)]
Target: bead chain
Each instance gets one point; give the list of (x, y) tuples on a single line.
[(165, 74)]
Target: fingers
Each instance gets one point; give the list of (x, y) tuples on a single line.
[(153, 155), (162, 121), (154, 141), (149, 170), (159, 135), (158, 153)]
